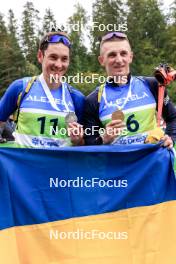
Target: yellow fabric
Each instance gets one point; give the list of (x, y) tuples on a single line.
[(151, 239), (154, 135), (100, 91), (26, 89)]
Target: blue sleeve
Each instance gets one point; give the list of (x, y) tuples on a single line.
[(8, 103)]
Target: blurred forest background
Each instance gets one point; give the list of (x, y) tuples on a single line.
[(151, 30)]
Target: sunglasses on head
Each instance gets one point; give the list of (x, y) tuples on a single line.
[(58, 38), (114, 34)]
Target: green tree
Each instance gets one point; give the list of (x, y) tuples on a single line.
[(171, 36), (105, 13), (170, 50), (29, 32), (11, 59), (12, 23), (48, 21), (3, 53), (80, 58), (79, 55), (17, 67), (146, 31)]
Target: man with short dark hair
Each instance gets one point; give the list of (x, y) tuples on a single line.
[(125, 106), (47, 108)]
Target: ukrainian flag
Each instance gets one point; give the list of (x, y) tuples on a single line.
[(82, 205)]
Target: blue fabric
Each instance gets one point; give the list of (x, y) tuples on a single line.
[(8, 103), (37, 99), (26, 196), (141, 96)]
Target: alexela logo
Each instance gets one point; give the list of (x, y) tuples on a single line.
[(44, 99)]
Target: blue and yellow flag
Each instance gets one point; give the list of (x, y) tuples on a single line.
[(82, 205)]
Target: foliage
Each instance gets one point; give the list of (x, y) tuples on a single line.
[(152, 34)]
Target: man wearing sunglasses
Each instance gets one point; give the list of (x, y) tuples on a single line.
[(48, 110), (125, 106)]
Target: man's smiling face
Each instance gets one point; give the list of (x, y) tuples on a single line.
[(55, 61), (116, 57)]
